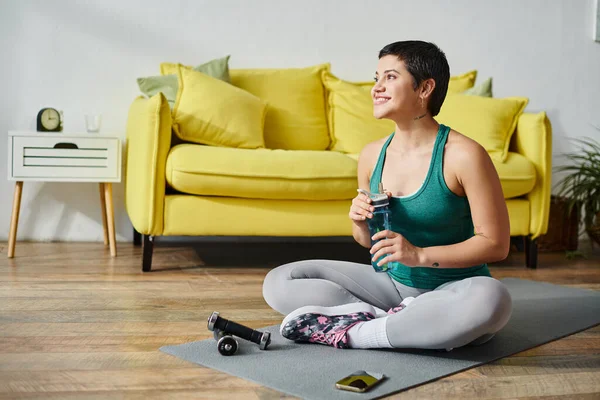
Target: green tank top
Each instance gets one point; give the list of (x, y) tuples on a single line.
[(432, 216)]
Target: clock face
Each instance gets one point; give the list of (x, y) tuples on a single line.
[(50, 119)]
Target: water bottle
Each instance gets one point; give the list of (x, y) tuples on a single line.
[(381, 221)]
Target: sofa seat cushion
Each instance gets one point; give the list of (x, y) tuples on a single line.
[(261, 173), (517, 174)]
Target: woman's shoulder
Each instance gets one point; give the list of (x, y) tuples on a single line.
[(369, 155), (372, 150), (460, 147)]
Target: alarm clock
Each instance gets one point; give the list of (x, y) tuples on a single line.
[(49, 120)]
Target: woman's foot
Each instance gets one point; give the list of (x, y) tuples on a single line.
[(325, 325)]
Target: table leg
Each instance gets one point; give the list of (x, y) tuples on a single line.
[(103, 205), (110, 218), (14, 221)]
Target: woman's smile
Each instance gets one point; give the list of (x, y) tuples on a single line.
[(380, 99)]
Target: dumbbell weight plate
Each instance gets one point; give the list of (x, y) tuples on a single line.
[(265, 340), (212, 320), (227, 346)]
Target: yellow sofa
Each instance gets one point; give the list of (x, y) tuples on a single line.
[(177, 187)]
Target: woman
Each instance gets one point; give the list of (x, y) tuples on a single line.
[(449, 219)]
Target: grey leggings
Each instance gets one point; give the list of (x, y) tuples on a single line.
[(469, 311)]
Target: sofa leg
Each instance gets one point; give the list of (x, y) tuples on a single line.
[(148, 247), (531, 252), (137, 238), (518, 242)]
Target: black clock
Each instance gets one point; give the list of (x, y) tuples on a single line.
[(49, 120)]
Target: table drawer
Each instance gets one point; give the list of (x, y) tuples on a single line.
[(66, 158)]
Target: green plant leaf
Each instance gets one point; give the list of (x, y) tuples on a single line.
[(580, 185)]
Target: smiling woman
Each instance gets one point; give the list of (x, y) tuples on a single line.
[(410, 89), (448, 220)]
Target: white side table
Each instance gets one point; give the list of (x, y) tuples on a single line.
[(60, 157)]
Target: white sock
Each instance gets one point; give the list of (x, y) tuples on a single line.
[(369, 335)]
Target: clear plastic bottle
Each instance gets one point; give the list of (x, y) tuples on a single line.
[(381, 221)]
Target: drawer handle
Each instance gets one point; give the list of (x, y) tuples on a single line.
[(64, 145)]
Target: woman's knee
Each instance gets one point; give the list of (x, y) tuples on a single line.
[(274, 285), (490, 303)]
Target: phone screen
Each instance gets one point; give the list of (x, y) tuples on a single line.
[(359, 381)]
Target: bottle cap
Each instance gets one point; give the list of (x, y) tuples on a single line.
[(379, 199)]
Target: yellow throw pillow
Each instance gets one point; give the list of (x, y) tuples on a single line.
[(210, 111), (489, 121), (350, 115), (168, 68), (217, 68), (296, 117), (460, 83)]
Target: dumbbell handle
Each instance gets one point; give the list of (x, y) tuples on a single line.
[(234, 328)]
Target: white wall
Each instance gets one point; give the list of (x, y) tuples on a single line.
[(80, 56)]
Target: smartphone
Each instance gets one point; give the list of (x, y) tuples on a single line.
[(359, 381)]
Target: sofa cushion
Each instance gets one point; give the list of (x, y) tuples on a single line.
[(483, 89), (261, 173), (167, 82), (202, 112), (460, 83), (217, 68), (517, 175), (296, 118), (489, 121)]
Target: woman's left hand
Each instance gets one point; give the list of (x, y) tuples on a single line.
[(394, 247)]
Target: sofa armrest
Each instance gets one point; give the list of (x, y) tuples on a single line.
[(147, 146), (533, 139)]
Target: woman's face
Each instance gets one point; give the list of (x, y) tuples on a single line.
[(393, 94)]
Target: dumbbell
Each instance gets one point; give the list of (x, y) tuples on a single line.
[(224, 330)]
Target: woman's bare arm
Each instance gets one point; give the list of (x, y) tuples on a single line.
[(477, 175)]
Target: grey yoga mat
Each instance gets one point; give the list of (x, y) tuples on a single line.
[(542, 312)]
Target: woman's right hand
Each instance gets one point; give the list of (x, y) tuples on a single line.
[(361, 208)]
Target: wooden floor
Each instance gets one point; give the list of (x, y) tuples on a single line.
[(78, 324)]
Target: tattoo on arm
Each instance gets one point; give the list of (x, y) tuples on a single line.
[(478, 232)]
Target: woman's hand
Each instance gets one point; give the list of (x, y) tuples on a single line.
[(395, 247), (361, 208)]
